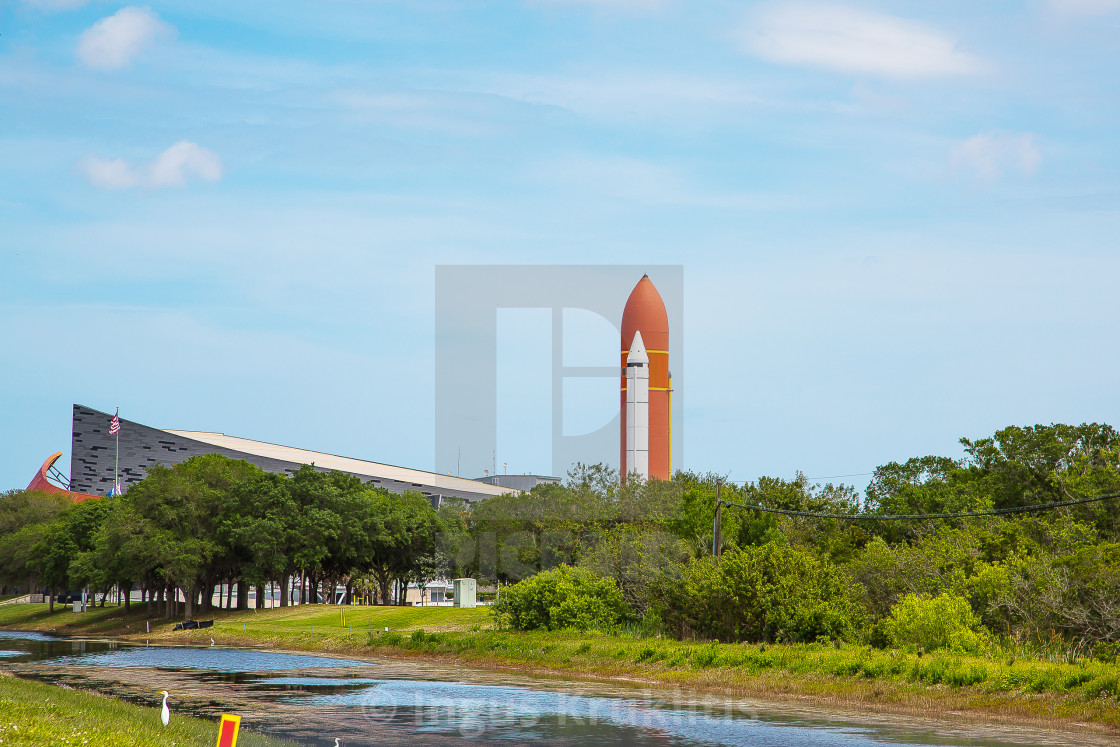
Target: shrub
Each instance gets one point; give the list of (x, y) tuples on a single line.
[(651, 624), (392, 638), (1103, 687), (882, 634), (1106, 652), (562, 598), (706, 657), (932, 623), (766, 593)]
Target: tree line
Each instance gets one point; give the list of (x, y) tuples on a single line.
[(1051, 577), (213, 520), (1045, 575)]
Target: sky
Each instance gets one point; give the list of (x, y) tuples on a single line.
[(897, 221)]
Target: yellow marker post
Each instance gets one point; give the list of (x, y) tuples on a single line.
[(227, 730)]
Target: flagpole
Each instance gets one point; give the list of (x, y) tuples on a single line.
[(117, 460)]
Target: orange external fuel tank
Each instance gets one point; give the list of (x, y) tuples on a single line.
[(645, 313)]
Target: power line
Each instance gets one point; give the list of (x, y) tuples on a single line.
[(918, 517)]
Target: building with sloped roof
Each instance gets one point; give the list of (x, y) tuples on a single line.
[(93, 452)]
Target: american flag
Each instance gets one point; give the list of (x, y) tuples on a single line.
[(114, 426)]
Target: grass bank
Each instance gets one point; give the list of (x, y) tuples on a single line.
[(1076, 694), (33, 713)]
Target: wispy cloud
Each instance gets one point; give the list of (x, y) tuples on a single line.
[(851, 40), (55, 4), (623, 95), (449, 113), (171, 168), (630, 6), (114, 42), (990, 155), (106, 173), (1086, 7), (607, 178)]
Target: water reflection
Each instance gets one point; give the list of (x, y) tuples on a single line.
[(438, 704), (212, 659), (25, 636), (497, 713)]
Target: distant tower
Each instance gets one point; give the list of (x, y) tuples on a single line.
[(645, 313)]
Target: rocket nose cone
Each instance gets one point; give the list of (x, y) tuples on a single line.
[(645, 311)]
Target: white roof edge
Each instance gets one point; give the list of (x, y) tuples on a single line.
[(343, 464)]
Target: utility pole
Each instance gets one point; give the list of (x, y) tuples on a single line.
[(717, 524)]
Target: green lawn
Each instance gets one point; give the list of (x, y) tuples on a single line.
[(321, 620), (33, 713)]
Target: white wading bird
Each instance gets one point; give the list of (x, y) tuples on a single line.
[(165, 712)]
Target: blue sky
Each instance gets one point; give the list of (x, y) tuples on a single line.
[(898, 221)]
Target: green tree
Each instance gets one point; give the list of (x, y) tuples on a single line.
[(763, 593), (561, 598), (399, 531), (25, 519), (180, 510), (1027, 465), (67, 536)]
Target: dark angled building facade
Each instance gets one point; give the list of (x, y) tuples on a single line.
[(93, 452)]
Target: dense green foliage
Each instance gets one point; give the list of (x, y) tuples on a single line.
[(562, 598), (214, 520), (767, 593), (1044, 581), (932, 623)]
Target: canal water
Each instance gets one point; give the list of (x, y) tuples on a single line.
[(314, 699)]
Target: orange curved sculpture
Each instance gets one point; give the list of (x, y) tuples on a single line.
[(41, 483), (645, 312)]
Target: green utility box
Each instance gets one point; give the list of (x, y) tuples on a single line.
[(466, 593)]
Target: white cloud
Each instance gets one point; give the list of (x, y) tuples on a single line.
[(1086, 7), (853, 41), (989, 155), (115, 41), (105, 173), (183, 159), (171, 168)]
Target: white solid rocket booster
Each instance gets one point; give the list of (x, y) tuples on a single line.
[(637, 409)]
